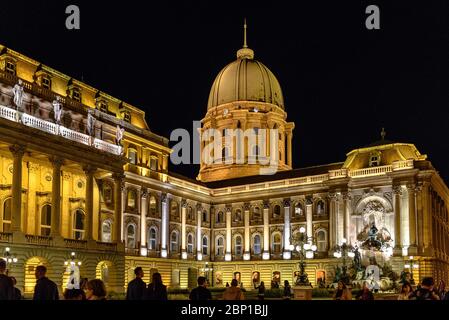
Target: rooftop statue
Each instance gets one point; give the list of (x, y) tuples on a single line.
[(57, 109), (17, 90)]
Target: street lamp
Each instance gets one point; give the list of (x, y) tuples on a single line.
[(344, 251), (306, 249), (411, 265), (206, 270), (9, 258)]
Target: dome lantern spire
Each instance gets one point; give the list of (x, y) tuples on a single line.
[(245, 52)]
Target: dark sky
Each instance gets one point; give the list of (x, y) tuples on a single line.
[(341, 82)]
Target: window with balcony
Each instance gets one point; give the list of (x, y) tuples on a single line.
[(6, 224), (256, 213), (320, 208), (76, 94), (374, 159), (190, 215), (174, 243), (46, 220), (238, 215), (107, 193), (220, 247), (204, 216), (10, 67), (276, 212), (78, 224), (132, 199), (131, 236), (238, 245), (106, 231), (220, 217), (153, 163), (174, 209), (152, 238), (205, 246), (190, 244), (132, 155), (299, 211), (46, 82)]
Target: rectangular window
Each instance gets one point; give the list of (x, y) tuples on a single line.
[(153, 164), (46, 83), (103, 107), (10, 68), (76, 94)]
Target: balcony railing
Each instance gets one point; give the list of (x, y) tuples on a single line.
[(75, 244), (106, 246), (55, 129), (39, 240), (5, 237)]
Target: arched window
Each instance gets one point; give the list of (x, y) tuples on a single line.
[(220, 246), (174, 209), (256, 244), (276, 243), (131, 236), (7, 215), (106, 228), (190, 215), (205, 216), (238, 215), (153, 205), (276, 211), (238, 245), (174, 247), (190, 244), (321, 241), (132, 198), (132, 155), (299, 211), (256, 213), (46, 220), (205, 246), (320, 207), (152, 238), (220, 217), (78, 224)]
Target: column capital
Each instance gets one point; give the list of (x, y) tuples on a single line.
[(411, 186), (183, 203), (397, 190), (266, 204), (89, 170), (247, 206), (17, 150), (199, 207), (287, 203), (164, 198), (57, 162), (228, 208), (309, 200), (143, 193), (332, 196), (118, 176)]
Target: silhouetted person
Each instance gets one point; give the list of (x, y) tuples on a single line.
[(426, 291), (137, 287), (200, 292), (74, 294), (6, 283), (156, 289), (233, 292), (261, 291), (95, 290), (45, 289), (17, 292)]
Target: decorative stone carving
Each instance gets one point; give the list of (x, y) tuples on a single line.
[(183, 203), (266, 205), (199, 207), (397, 190), (17, 150), (247, 206), (287, 203), (309, 200), (144, 193)]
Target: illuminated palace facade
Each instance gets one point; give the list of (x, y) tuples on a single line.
[(63, 190)]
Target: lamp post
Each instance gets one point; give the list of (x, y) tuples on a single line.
[(9, 258), (344, 251), (73, 267), (411, 264), (306, 249), (206, 271)]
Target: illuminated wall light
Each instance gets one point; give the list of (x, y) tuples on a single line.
[(199, 256), (228, 257), (143, 251), (184, 255), (164, 254), (246, 256), (287, 255), (266, 256)]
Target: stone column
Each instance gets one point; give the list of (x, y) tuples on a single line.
[(228, 255), (16, 190), (332, 220), (420, 219), (164, 226), (89, 222), (56, 197), (266, 231), (119, 187), (183, 229), (287, 229), (143, 217), (309, 216), (199, 242), (289, 150), (413, 249), (397, 221), (247, 252), (346, 216)]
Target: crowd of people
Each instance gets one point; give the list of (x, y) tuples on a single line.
[(46, 289), (424, 291)]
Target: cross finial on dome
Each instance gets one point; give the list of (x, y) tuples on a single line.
[(383, 133), (245, 52), (244, 34)]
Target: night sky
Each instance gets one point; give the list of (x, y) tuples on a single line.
[(341, 82)]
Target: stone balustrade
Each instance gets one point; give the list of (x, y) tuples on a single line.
[(5, 237), (75, 244), (39, 240)]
